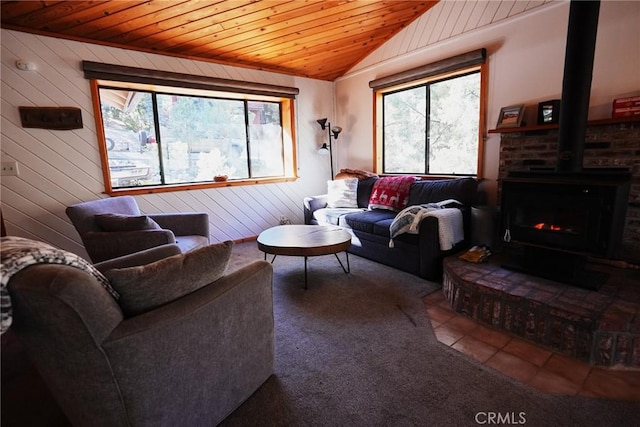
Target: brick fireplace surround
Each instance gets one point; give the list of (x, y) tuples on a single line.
[(598, 327)]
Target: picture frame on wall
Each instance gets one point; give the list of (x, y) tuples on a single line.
[(511, 117)]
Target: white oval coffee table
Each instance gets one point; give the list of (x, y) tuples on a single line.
[(305, 241)]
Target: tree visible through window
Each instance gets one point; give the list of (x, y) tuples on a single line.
[(432, 128), (155, 138)]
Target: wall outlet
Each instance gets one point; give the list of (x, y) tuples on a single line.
[(9, 168)]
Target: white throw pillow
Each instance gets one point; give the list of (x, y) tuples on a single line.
[(342, 193)]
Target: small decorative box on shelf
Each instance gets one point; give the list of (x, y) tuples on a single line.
[(626, 107)]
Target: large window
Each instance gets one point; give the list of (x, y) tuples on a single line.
[(430, 125), (160, 138), (164, 138), (433, 128)]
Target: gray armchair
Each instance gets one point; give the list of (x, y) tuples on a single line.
[(189, 230), (190, 362)]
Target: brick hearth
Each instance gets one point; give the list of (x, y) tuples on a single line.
[(598, 327)]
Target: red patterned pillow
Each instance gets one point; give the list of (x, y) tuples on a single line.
[(391, 193)]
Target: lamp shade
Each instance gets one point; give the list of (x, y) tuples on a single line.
[(324, 150), (336, 130), (322, 123)]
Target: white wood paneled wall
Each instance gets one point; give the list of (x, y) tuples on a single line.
[(447, 19), (59, 168)]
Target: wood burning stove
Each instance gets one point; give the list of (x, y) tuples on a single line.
[(561, 218), (582, 213)]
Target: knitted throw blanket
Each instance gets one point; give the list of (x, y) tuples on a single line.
[(450, 223), (18, 253)]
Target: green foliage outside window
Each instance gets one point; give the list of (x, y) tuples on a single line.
[(433, 128), (193, 139)]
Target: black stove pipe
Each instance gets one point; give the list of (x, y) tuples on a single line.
[(576, 83)]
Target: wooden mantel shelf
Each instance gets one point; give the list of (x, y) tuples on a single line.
[(535, 128)]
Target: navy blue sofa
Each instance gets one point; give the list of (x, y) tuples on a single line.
[(418, 254)]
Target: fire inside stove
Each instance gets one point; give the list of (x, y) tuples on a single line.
[(553, 227), (552, 220), (543, 226)]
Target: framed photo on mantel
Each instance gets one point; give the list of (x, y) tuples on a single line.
[(549, 112), (511, 117)]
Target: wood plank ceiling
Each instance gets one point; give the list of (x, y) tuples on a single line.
[(317, 39)]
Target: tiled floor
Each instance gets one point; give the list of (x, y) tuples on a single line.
[(533, 365)]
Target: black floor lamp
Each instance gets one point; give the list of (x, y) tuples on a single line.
[(332, 132)]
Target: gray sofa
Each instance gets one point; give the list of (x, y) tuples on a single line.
[(190, 362), (419, 254)]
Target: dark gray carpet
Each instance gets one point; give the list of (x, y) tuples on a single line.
[(359, 350)]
